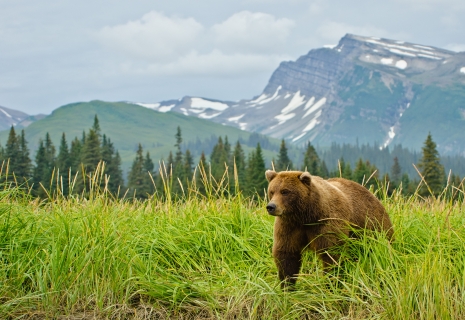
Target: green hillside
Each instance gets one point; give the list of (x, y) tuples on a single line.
[(127, 125), (439, 110)]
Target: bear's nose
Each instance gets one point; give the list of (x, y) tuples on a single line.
[(271, 207)]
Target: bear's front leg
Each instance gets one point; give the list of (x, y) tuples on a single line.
[(288, 264)]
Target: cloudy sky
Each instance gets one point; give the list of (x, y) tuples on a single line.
[(54, 52)]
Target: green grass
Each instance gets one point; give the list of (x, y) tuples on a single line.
[(210, 257)]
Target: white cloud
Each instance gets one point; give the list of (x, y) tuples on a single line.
[(332, 31), (244, 43), (435, 4), (154, 36), (215, 63), (252, 32)]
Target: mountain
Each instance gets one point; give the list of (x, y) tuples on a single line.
[(128, 124), (365, 90), (10, 117)]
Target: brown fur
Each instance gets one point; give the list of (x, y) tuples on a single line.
[(315, 213)]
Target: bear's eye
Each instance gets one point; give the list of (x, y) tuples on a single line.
[(285, 192)]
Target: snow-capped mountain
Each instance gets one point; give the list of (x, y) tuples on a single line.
[(10, 117), (364, 89)]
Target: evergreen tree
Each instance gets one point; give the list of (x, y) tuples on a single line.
[(255, 180), (136, 178), (91, 154), (63, 163), (361, 172), (201, 173), (312, 161), (431, 168), (218, 160), (396, 173), (96, 126), (12, 152), (239, 161), (188, 164), (115, 173), (112, 161), (324, 172), (75, 155), (41, 170), (283, 163), (24, 161), (45, 165), (178, 164), (148, 174)]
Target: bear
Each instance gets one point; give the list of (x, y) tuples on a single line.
[(314, 213)]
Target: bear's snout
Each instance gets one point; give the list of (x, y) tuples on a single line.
[(271, 208)]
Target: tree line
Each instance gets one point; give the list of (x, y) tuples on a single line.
[(92, 161)]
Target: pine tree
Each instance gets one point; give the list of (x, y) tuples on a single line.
[(312, 161), (112, 161), (396, 173), (136, 175), (188, 164), (91, 153), (218, 160), (178, 158), (63, 163), (75, 155), (431, 168), (324, 172), (96, 126), (361, 172), (115, 174), (148, 174), (255, 179), (24, 161), (239, 162), (201, 173), (283, 163), (12, 152), (43, 178)]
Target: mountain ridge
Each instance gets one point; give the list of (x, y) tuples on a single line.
[(361, 89)]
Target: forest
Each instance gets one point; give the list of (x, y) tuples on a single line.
[(68, 170)]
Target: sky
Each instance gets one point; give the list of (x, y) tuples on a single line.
[(56, 52)]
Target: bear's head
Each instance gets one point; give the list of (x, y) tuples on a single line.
[(288, 191)]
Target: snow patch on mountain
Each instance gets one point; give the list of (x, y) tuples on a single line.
[(236, 119), (296, 102), (263, 98), (313, 122), (309, 103), (166, 108), (284, 117), (199, 103), (208, 116), (462, 70), (315, 107), (401, 64), (391, 135), (6, 113)]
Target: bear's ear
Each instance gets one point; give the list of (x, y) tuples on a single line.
[(306, 178), (270, 175)]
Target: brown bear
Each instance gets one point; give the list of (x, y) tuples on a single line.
[(317, 214)]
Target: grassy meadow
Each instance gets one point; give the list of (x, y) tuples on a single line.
[(209, 257)]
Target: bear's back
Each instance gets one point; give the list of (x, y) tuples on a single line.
[(368, 211)]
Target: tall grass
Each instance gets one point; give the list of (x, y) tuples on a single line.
[(210, 257)]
